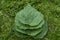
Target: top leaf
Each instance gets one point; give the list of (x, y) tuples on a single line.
[(29, 16)]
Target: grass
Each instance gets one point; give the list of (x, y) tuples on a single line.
[(50, 9)]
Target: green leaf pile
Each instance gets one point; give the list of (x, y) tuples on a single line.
[(30, 22)]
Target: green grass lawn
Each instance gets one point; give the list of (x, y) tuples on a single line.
[(49, 8)]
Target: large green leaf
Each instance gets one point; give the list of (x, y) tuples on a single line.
[(29, 16)]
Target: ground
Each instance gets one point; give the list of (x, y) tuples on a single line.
[(49, 8)]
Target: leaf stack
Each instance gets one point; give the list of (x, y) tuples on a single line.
[(30, 22)]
